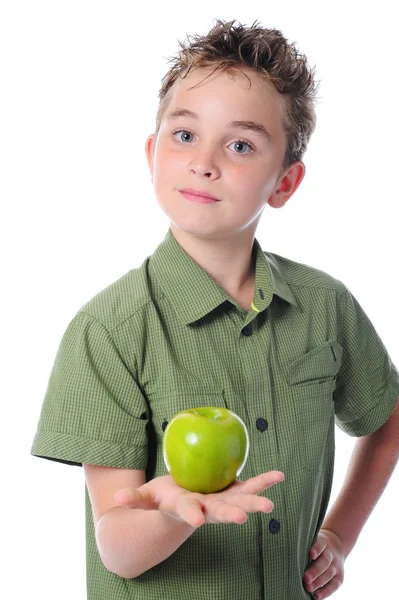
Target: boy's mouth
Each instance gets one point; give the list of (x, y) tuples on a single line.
[(198, 196)]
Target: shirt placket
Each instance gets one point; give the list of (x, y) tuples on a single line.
[(264, 454)]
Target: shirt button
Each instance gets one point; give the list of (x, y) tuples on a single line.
[(262, 424), (274, 526), (164, 424), (247, 330)]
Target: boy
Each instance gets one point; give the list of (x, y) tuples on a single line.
[(211, 320)]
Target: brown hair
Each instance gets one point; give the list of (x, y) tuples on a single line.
[(270, 55)]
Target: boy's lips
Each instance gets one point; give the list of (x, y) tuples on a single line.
[(198, 195)]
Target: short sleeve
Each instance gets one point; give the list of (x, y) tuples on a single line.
[(368, 382), (93, 410)]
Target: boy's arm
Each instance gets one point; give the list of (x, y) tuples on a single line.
[(164, 515), (372, 463), (129, 542)]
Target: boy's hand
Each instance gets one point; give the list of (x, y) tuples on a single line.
[(228, 506), (327, 568)]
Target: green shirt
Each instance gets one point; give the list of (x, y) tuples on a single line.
[(166, 337)]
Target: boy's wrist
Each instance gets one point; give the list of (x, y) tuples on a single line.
[(346, 545)]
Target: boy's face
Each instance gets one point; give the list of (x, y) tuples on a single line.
[(209, 151)]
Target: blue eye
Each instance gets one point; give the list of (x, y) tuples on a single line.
[(241, 143), (183, 134)]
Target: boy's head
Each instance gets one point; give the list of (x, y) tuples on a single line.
[(235, 115), (264, 51)]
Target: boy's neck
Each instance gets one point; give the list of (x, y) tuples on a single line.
[(230, 262)]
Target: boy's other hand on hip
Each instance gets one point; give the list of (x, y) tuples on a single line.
[(326, 570), (231, 505)]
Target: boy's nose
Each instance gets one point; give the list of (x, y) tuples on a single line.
[(204, 167), (204, 164)]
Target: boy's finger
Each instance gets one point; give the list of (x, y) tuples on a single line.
[(261, 482), (190, 511), (135, 498), (222, 512), (251, 503)]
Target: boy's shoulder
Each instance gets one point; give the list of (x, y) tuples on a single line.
[(130, 293), (303, 275), (121, 299)]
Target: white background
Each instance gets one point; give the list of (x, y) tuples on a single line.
[(79, 84)]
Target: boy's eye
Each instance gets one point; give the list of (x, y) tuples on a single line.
[(183, 135), (240, 146)]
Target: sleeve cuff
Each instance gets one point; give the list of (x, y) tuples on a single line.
[(73, 450), (378, 415)]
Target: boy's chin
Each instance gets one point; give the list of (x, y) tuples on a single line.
[(197, 230)]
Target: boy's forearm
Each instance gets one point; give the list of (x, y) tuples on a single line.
[(131, 541), (372, 462)]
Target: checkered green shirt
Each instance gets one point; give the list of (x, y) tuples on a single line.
[(166, 337)]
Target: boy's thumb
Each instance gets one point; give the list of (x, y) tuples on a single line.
[(132, 498)]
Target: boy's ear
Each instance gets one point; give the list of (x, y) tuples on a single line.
[(287, 184), (149, 151)]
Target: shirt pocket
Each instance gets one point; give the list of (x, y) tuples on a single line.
[(312, 379)]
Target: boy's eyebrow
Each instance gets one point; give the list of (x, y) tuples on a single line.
[(250, 125)]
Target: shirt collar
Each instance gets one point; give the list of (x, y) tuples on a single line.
[(194, 293)]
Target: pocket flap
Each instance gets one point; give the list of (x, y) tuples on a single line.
[(320, 363)]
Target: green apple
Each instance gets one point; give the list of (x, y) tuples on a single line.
[(205, 449)]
